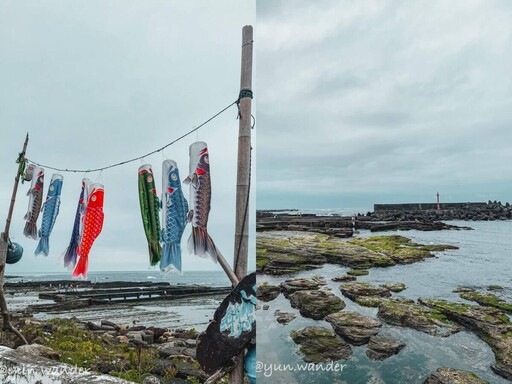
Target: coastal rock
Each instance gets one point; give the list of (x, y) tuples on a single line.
[(319, 344), (394, 287), (135, 335), (358, 272), (151, 380), (343, 278), (316, 304), (267, 292), (122, 339), (109, 324), (381, 347), (364, 293), (487, 300), (453, 376), (278, 255), (92, 326), (39, 350), (284, 317), (406, 313), (293, 285), (170, 349), (463, 289), (490, 324), (188, 369), (353, 327)]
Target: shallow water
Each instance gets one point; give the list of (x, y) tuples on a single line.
[(484, 258), (195, 312)]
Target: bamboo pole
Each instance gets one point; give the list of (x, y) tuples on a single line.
[(243, 175), (7, 326)]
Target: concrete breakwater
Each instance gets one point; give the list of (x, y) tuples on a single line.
[(476, 211)]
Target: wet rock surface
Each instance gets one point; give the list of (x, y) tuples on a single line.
[(293, 285), (343, 278), (284, 317), (319, 344), (492, 325), (267, 292), (284, 255), (316, 304), (352, 290), (407, 313), (353, 327), (453, 376), (382, 346), (487, 300)]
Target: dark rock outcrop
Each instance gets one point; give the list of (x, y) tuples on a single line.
[(382, 346), (316, 304), (319, 344), (353, 327), (406, 313), (267, 292), (453, 376), (492, 325)]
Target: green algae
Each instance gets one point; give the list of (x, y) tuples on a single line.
[(487, 300), (357, 272)]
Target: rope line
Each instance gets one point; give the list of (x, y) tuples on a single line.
[(236, 102)]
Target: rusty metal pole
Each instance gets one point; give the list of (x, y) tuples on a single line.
[(243, 175), (4, 245)]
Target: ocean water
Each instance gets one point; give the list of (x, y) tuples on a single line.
[(484, 258), (210, 278), (195, 312)]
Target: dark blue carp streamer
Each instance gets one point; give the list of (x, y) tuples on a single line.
[(50, 212), (174, 217), (70, 254)]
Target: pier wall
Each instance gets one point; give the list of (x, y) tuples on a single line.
[(427, 206)]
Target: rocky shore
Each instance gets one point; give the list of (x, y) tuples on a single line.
[(279, 255), (288, 254), (140, 354)]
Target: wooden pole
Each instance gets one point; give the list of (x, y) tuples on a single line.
[(7, 326), (243, 175)]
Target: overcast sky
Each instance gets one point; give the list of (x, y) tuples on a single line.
[(97, 82), (362, 102)]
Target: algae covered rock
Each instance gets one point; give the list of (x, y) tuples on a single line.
[(400, 249), (492, 325), (284, 317), (382, 346), (453, 376), (319, 344), (293, 285), (353, 327), (267, 292), (316, 304), (364, 293), (394, 287), (357, 272), (279, 254), (343, 278), (406, 313), (487, 300)]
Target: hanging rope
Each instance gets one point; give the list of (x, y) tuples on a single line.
[(237, 101)]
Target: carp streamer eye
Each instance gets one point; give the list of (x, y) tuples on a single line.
[(93, 198), (150, 179), (174, 177), (52, 188), (206, 160)]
